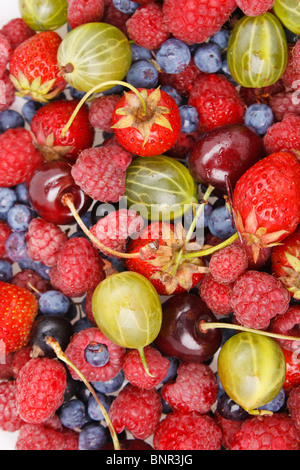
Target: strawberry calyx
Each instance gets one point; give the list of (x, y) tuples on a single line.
[(291, 280), (38, 91), (45, 145)]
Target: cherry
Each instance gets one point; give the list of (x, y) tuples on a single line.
[(224, 153), (46, 188), (180, 335)]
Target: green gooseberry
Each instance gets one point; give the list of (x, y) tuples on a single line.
[(251, 368), (44, 15), (288, 11)]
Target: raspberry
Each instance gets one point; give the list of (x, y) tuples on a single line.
[(182, 81), (27, 278), (195, 389), (115, 17), (75, 351), (146, 26), (19, 359), (184, 144), (142, 417), (115, 228), (100, 113), (39, 437), (283, 135), (101, 171), (79, 267), (261, 95), (227, 264), (187, 431), (5, 365), (7, 91), (19, 157), (263, 256), (216, 295), (217, 101), (5, 53), (17, 31), (255, 8), (88, 306), (275, 432), (44, 241), (228, 427), (287, 324), (5, 231), (40, 389), (283, 103), (291, 74), (257, 297), (194, 21), (135, 372), (80, 12), (9, 416), (71, 439), (293, 405)]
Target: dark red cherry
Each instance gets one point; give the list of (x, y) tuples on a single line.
[(46, 188), (225, 152), (180, 335)]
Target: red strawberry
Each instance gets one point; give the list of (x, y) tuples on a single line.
[(266, 201), (150, 134), (158, 244), (47, 125), (33, 67), (18, 309)]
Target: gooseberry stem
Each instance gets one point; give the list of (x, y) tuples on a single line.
[(212, 249), (144, 362), (97, 88), (62, 356)]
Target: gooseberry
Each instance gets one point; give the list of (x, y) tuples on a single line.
[(44, 16)]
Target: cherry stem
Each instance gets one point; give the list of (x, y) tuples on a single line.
[(212, 249), (67, 200), (97, 88), (62, 356)]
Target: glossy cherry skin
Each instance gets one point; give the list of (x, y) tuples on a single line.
[(225, 152), (180, 335), (46, 188)]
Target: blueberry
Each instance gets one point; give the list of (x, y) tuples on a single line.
[(142, 74), (53, 302), (276, 404), (202, 221), (172, 372), (73, 414), (115, 90), (6, 271), (76, 94), (30, 108), (220, 223), (166, 408), (82, 324), (126, 6), (93, 436), (8, 198), (96, 354), (139, 52), (173, 93), (22, 193), (260, 117), (173, 56), (10, 119), (19, 217), (221, 38), (93, 408), (189, 118), (208, 57), (16, 246), (229, 409), (43, 270), (110, 385)]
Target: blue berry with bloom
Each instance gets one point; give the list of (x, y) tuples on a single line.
[(139, 52), (10, 119), (111, 385), (73, 414), (93, 436), (126, 6), (142, 74), (260, 117), (189, 118), (16, 246), (53, 302), (208, 57), (22, 193), (6, 271), (276, 404), (173, 93), (19, 217), (221, 38), (96, 354), (173, 56), (30, 108), (8, 198), (220, 223), (93, 409)]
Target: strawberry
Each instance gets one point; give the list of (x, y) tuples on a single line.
[(266, 201), (158, 245), (18, 309), (33, 67), (147, 134), (285, 263), (47, 125)]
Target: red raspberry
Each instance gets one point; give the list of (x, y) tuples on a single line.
[(146, 26), (115, 228), (115, 17), (184, 144), (227, 264), (293, 405), (142, 417), (75, 352), (81, 12), (183, 81), (88, 306), (101, 171), (255, 7), (7, 91), (267, 432), (261, 95), (5, 231), (101, 110), (228, 427), (17, 31), (19, 157), (5, 53), (284, 135), (41, 385), (287, 324), (292, 376), (284, 103), (27, 278), (20, 358), (194, 21), (5, 364), (9, 416), (39, 437), (135, 372), (79, 267), (217, 101), (71, 439), (257, 297), (291, 74), (216, 295), (187, 431), (195, 389), (44, 241)]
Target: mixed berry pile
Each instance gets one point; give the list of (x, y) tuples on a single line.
[(180, 129)]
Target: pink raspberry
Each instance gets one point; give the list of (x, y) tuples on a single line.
[(101, 110), (227, 264), (39, 437), (284, 103), (27, 278), (5, 53), (257, 297), (267, 432), (187, 431), (101, 171), (287, 324), (7, 91), (194, 21), (40, 389), (81, 12), (296, 55), (5, 365), (146, 26), (195, 389), (44, 241), (293, 405), (115, 17), (284, 135), (143, 414), (183, 81), (261, 95), (291, 74), (135, 372), (70, 439), (9, 416), (216, 295), (75, 351), (228, 427), (20, 358), (5, 231), (255, 7), (17, 31)]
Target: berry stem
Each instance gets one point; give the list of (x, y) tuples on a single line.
[(62, 356), (212, 249), (144, 362), (96, 89)]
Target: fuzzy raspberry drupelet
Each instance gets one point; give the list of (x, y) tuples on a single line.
[(7, 91), (227, 264), (284, 103), (183, 81), (19, 157), (40, 389), (229, 429), (263, 255), (135, 372), (19, 359), (44, 241), (17, 31), (146, 26), (137, 410), (216, 295), (195, 389), (257, 297), (9, 416), (287, 324), (39, 437), (101, 171), (291, 74), (31, 280), (101, 110), (80, 12), (283, 135), (187, 431), (293, 405), (267, 432), (5, 53), (255, 7)]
